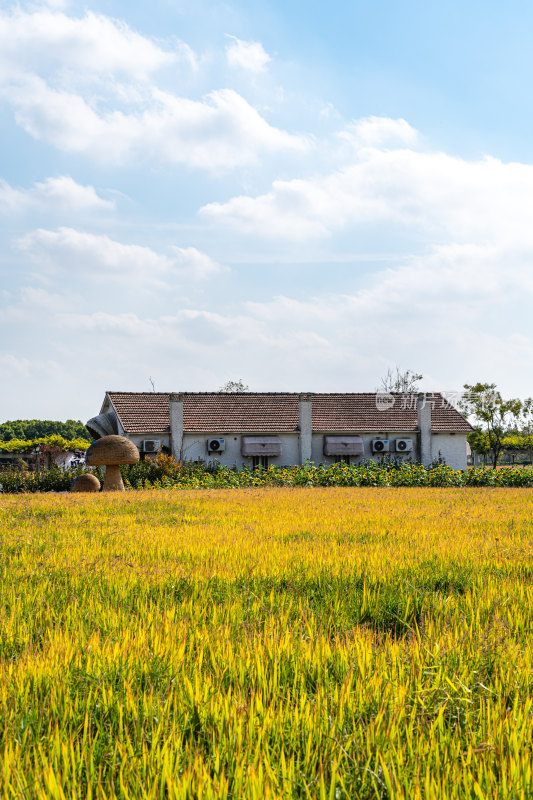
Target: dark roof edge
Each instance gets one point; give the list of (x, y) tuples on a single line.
[(278, 394)]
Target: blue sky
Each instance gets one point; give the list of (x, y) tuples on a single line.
[(297, 194)]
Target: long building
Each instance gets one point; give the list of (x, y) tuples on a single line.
[(258, 429)]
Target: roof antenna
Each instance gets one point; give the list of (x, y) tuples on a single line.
[(152, 382)]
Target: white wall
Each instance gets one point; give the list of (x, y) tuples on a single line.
[(195, 447), (451, 447), (138, 438), (318, 446)]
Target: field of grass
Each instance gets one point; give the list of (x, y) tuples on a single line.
[(267, 643)]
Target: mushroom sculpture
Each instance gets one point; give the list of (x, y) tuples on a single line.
[(85, 483), (110, 452)]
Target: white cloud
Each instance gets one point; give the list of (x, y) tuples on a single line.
[(37, 306), (103, 322), (193, 262), (191, 328), (440, 195), (441, 314), (97, 257), (379, 132), (433, 293), (94, 43), (58, 5), (246, 55), (62, 193), (86, 85), (17, 367), (329, 111), (220, 131), (14, 367), (430, 315)]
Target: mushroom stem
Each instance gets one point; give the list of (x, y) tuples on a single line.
[(113, 479)]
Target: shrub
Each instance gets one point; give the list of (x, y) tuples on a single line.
[(196, 475), (53, 442), (165, 472), (55, 479)]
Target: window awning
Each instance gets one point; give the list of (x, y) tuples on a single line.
[(261, 446), (343, 446)]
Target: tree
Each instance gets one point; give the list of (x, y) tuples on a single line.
[(479, 441), (405, 381), (484, 403), (527, 417), (37, 428), (234, 386), (519, 444)]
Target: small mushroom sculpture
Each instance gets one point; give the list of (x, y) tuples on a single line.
[(110, 452), (85, 483)]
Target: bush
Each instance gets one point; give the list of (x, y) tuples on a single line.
[(55, 479), (53, 442), (164, 472), (163, 467), (196, 475)]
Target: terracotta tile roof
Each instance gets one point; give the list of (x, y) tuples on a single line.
[(240, 412), (216, 412), (141, 412), (448, 419), (359, 412)]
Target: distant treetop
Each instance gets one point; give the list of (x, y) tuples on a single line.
[(406, 381), (29, 429), (234, 386)]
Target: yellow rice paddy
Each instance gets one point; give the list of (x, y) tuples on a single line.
[(267, 643)]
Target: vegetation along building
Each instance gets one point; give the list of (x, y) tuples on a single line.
[(259, 429)]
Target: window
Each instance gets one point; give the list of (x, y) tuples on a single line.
[(341, 459), (259, 461)]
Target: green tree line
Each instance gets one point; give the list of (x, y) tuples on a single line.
[(51, 443), (32, 429)]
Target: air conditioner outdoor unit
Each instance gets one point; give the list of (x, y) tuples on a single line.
[(380, 445), (216, 445), (151, 445), (403, 445)]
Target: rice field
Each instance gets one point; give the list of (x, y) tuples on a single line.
[(267, 643)]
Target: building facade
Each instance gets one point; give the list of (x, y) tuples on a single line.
[(287, 428)]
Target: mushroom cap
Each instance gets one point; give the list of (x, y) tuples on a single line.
[(111, 450), (85, 483)]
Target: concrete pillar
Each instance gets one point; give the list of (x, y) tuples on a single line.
[(176, 425), (305, 423), (424, 428)]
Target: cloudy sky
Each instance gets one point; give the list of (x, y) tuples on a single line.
[(298, 194)]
